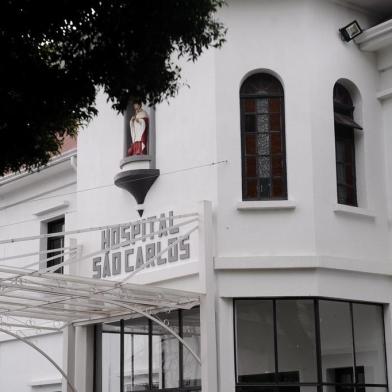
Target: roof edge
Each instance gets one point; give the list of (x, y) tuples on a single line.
[(376, 38), (53, 162)]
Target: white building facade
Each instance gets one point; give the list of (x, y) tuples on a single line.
[(270, 180)]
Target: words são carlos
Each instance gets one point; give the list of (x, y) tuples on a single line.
[(123, 255)]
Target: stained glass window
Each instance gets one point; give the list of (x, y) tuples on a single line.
[(263, 140)]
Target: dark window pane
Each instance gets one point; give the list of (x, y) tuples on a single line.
[(349, 152), (336, 341), (339, 388), (274, 105), (349, 174), (341, 95), (244, 388), (369, 342), (297, 361), (255, 341), (250, 123), (261, 84), (265, 188), (191, 335), (342, 194), (276, 143), (250, 144), (277, 166), (297, 389), (250, 105), (275, 123), (340, 151), (371, 389), (278, 188), (351, 196), (251, 191), (341, 173), (251, 167)]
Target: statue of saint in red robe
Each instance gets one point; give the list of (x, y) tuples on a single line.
[(139, 131)]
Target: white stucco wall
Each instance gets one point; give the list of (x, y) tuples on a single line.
[(22, 369)]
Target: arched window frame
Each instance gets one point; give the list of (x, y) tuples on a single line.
[(345, 146), (264, 173)]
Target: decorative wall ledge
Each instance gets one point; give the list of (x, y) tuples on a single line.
[(54, 208), (261, 205), (384, 95), (135, 158), (342, 209)]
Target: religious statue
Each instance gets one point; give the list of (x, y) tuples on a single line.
[(139, 131)]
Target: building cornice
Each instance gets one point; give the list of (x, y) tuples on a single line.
[(376, 38), (67, 156)]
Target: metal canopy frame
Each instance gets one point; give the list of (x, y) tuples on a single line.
[(34, 299)]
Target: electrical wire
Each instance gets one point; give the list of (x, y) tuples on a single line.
[(105, 186), (134, 180)]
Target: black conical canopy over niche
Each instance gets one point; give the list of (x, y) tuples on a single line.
[(137, 182)]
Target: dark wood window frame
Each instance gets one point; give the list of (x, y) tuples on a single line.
[(263, 145)]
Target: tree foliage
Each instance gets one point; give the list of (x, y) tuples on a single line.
[(54, 55)]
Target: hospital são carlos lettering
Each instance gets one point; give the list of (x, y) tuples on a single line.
[(128, 247)]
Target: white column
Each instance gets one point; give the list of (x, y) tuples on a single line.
[(84, 358), (226, 345), (209, 369), (68, 357)]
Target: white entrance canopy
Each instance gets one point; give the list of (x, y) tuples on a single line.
[(68, 299)]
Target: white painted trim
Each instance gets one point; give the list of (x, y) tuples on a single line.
[(385, 94), (56, 207), (43, 383), (266, 205), (350, 210), (264, 262), (376, 38), (283, 262)]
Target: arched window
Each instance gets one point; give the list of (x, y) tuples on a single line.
[(345, 145), (263, 138)]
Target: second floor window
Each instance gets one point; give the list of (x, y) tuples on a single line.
[(55, 243), (345, 146), (263, 138)]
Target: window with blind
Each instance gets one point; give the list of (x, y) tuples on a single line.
[(55, 244), (263, 138), (345, 146)]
